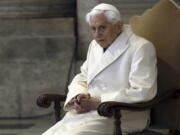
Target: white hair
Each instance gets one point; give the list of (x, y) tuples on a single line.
[(110, 12)]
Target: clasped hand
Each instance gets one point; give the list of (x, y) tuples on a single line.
[(83, 103)]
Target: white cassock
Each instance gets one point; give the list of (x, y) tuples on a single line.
[(125, 72)]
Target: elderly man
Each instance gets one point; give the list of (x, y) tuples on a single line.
[(120, 66)]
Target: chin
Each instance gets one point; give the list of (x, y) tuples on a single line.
[(102, 44)]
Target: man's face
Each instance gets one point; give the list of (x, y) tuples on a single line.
[(103, 31)]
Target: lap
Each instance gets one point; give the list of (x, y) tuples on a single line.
[(82, 124), (91, 124)]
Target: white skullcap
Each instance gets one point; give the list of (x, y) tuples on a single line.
[(104, 6), (110, 11)]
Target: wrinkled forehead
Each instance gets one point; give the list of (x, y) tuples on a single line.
[(100, 19)]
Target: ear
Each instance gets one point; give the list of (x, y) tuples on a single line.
[(119, 26)]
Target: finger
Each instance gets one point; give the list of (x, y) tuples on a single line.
[(82, 96), (85, 103), (74, 100), (79, 97), (77, 106), (71, 102), (83, 110), (88, 95)]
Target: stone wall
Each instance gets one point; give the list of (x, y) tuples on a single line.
[(36, 8), (34, 58)]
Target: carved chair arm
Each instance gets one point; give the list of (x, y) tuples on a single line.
[(45, 101), (106, 108), (109, 109)]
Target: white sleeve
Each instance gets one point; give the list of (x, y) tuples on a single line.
[(142, 78), (79, 83), (77, 86)]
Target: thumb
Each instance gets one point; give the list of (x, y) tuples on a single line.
[(88, 95)]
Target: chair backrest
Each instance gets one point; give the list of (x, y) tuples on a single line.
[(161, 26)]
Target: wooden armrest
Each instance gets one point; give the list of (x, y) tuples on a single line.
[(107, 108), (45, 101)]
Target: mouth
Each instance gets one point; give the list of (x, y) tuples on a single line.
[(100, 40)]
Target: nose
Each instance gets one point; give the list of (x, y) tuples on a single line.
[(96, 33)]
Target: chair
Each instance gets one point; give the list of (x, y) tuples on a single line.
[(160, 25)]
